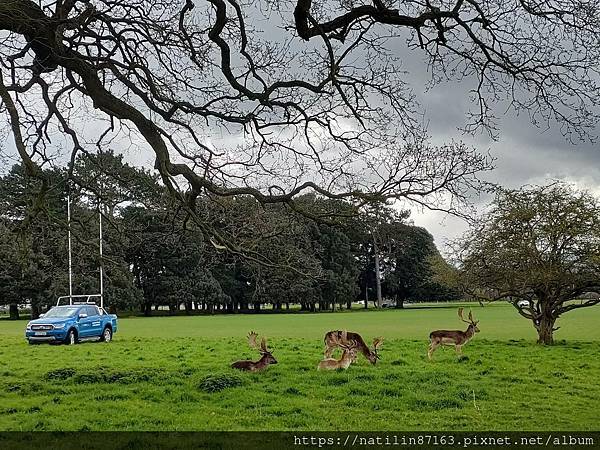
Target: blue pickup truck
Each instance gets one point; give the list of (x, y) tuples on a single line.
[(70, 324)]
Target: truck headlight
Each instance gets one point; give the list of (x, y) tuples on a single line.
[(58, 326), (28, 326)]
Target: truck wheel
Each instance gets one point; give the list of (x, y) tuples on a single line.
[(71, 338), (106, 335)]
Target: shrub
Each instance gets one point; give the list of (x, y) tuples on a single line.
[(60, 374), (218, 382)]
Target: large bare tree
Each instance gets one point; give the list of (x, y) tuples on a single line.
[(275, 98)]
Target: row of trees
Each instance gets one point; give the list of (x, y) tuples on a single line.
[(536, 247), (155, 256)]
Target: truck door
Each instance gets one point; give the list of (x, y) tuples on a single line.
[(95, 322), (85, 323)]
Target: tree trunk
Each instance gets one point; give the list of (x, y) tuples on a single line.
[(35, 310), (367, 296), (257, 307), (399, 302), (377, 273), (13, 311), (349, 304), (147, 309), (545, 330)]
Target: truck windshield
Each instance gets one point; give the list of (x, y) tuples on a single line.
[(61, 312)]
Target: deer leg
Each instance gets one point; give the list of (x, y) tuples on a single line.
[(458, 349), (432, 348)]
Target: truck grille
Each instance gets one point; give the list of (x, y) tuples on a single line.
[(42, 327)]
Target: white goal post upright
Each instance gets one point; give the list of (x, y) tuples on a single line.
[(101, 260), (69, 239)]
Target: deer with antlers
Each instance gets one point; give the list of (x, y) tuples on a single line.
[(334, 339), (349, 347), (265, 360), (453, 337)]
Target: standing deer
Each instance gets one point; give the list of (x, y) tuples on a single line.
[(454, 337), (266, 356), (334, 338), (350, 348)]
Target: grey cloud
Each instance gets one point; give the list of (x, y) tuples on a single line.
[(525, 154)]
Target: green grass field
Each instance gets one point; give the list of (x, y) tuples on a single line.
[(172, 373)]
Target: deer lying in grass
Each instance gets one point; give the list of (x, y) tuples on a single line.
[(266, 356), (333, 338), (350, 347), (454, 337)]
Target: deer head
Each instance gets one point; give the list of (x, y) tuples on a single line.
[(350, 350), (349, 347), (263, 349), (373, 354), (472, 323)]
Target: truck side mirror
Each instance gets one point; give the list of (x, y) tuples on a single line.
[(82, 315), (41, 315)]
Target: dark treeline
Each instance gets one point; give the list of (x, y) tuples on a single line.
[(156, 256)]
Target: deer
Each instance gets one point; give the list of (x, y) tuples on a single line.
[(265, 360), (453, 337), (350, 347), (334, 338)]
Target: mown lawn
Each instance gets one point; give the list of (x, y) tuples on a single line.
[(173, 374)]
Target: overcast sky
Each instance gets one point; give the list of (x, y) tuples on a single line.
[(524, 156), (524, 153)]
